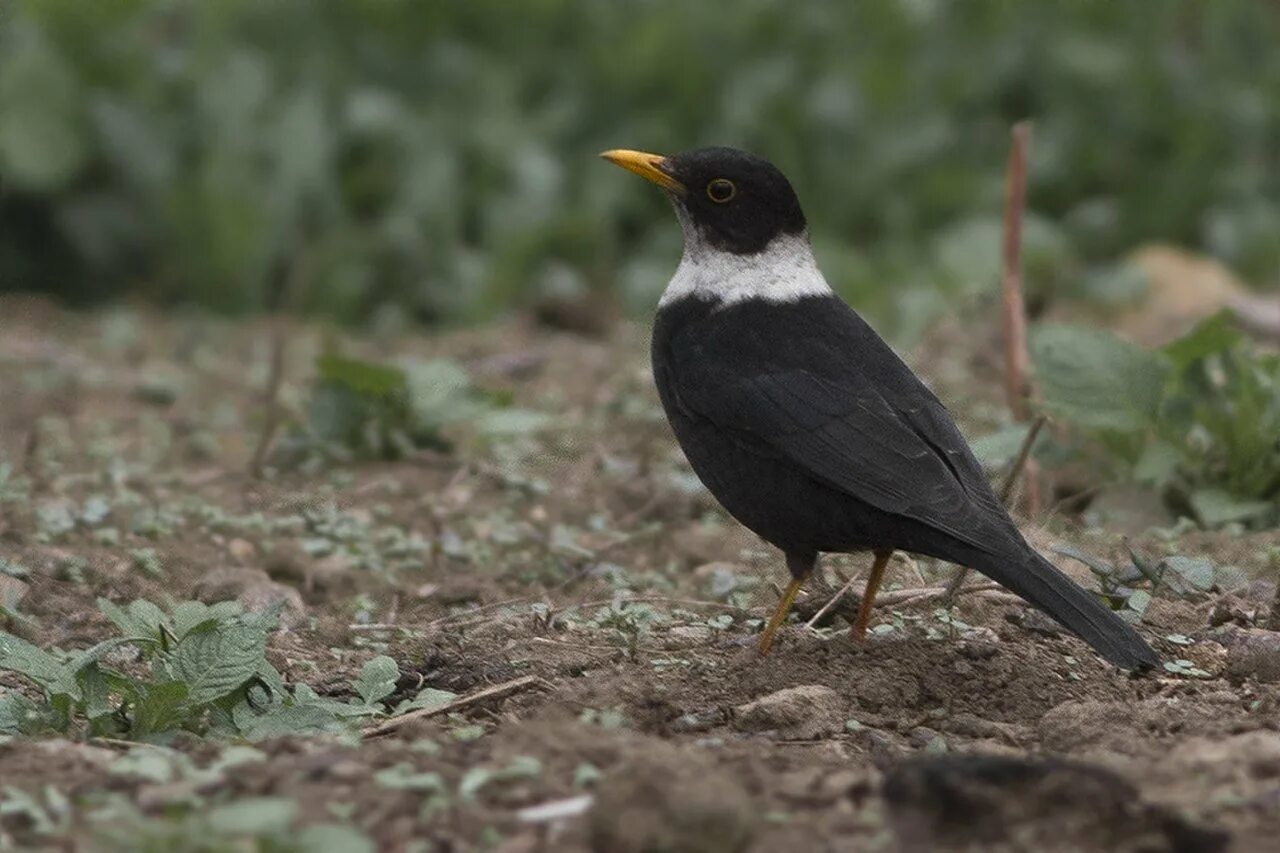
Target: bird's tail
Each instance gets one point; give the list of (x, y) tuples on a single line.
[(1034, 578)]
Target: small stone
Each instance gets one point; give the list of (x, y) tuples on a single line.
[(242, 550), (347, 771), (286, 561), (688, 635), (12, 591), (1254, 653), (921, 736), (332, 574), (707, 570), (797, 713), (980, 649), (254, 589)]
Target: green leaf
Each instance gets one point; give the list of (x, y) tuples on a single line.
[(1096, 380), (1138, 601), (282, 720), (19, 802), (190, 614), (42, 134), (253, 817), (334, 838), (1227, 578), (377, 679), (1187, 573), (157, 708), (140, 619), (16, 712), (1099, 567), (522, 766), (366, 378), (1212, 335), (146, 762), (215, 663), (511, 422), (429, 697), (404, 777), (96, 688), (33, 662), (1215, 507), (1000, 447), (1157, 465)]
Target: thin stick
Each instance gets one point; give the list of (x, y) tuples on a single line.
[(275, 378), (1020, 461), (1014, 313), (1014, 318), (657, 599), (835, 599), (497, 691)]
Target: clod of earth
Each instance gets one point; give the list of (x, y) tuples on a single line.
[(254, 589), (797, 713), (1253, 653), (956, 802)]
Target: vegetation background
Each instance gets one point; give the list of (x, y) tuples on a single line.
[(435, 161)]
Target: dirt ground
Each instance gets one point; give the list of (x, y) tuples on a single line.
[(583, 565)]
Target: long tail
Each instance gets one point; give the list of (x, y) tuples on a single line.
[(1034, 578)]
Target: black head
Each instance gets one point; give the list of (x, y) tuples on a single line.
[(737, 201)]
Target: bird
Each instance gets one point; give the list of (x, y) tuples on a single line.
[(804, 423)]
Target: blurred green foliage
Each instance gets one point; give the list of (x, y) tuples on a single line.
[(438, 157), (1197, 421)]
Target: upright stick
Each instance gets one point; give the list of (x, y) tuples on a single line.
[(1014, 318), (1017, 362)]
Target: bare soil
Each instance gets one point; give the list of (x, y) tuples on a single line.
[(585, 555)]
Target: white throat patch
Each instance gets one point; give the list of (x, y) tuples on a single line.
[(784, 272)]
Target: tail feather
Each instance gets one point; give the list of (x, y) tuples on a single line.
[(1034, 578)]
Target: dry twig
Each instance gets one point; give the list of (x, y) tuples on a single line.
[(497, 691)]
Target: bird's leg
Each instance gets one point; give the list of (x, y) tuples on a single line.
[(859, 629), (801, 566)]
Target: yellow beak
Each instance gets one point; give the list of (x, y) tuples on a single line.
[(648, 166)]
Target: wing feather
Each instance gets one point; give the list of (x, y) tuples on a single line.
[(908, 460)]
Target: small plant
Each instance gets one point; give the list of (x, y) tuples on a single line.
[(1197, 420), (199, 668), (1181, 576), (631, 623), (366, 409)]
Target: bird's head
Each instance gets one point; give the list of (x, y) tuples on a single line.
[(728, 199)]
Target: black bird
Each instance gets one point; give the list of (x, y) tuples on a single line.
[(804, 423)]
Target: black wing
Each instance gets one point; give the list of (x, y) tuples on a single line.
[(904, 456)]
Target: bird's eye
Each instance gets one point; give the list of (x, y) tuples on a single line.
[(721, 190)]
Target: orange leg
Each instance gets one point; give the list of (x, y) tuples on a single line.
[(780, 613), (859, 629)]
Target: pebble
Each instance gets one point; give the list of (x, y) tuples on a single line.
[(688, 635)]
